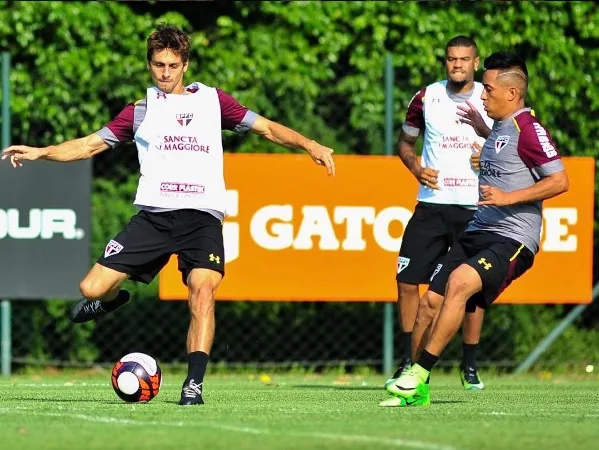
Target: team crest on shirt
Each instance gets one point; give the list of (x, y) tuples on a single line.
[(184, 118), (501, 142)]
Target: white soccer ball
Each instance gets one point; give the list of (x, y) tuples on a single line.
[(136, 377)]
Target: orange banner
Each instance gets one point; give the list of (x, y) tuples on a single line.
[(294, 234)]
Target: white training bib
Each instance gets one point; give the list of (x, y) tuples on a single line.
[(448, 147), (179, 145)]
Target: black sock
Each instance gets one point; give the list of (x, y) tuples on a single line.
[(427, 360), (469, 355), (196, 366), (122, 297), (407, 345)]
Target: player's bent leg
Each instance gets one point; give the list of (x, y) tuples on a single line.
[(408, 298), (428, 309), (202, 285), (462, 284), (428, 306), (101, 294), (471, 332)]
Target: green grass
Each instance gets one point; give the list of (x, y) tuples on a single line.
[(72, 411)]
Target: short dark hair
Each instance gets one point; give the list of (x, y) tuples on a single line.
[(461, 41), (171, 37), (504, 61)]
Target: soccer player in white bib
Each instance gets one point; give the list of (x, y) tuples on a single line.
[(181, 192), (520, 167), (447, 196)]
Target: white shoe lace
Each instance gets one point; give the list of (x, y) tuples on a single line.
[(192, 389), (93, 307)]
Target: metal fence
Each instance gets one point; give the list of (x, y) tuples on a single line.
[(285, 335)]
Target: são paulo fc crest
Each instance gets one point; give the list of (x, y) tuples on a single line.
[(402, 263), (501, 142), (184, 118), (112, 248)]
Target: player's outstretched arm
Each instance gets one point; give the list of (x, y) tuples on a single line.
[(286, 137), (73, 150)]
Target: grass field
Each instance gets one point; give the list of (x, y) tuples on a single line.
[(73, 411)]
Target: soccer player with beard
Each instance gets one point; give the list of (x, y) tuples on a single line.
[(520, 166), (447, 196)]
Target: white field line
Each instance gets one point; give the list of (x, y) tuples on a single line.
[(391, 442), (549, 413)]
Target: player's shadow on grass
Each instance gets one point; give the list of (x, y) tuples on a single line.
[(446, 402), (337, 388), (69, 400)]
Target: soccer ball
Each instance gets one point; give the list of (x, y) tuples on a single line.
[(136, 377)]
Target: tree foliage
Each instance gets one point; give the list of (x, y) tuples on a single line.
[(317, 66)]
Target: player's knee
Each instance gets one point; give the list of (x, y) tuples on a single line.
[(407, 291), (459, 286), (429, 305), (201, 297), (91, 289)]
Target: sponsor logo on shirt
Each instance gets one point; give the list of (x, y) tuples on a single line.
[(460, 182), (548, 148), (182, 143), (456, 143), (487, 170), (175, 189)]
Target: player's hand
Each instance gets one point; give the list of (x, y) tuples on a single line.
[(475, 156), (323, 156), (18, 153), (470, 116), (428, 177), (493, 196)]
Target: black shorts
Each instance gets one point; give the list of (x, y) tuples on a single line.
[(431, 231), (498, 260), (146, 244)]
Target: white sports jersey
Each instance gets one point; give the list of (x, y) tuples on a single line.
[(180, 152), (447, 142)]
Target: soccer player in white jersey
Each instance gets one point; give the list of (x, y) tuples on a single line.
[(520, 166), (447, 196), (180, 195)]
